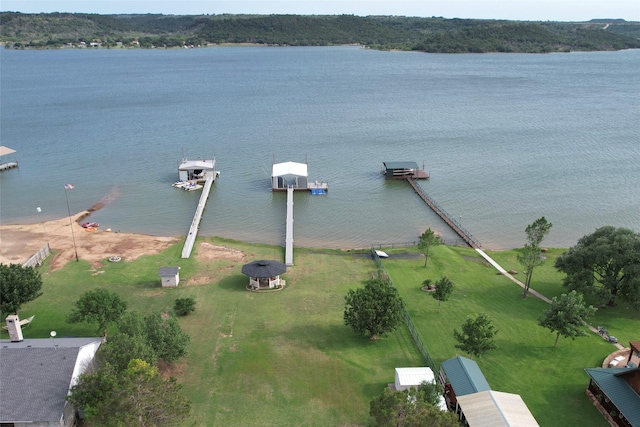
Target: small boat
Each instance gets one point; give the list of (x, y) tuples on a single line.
[(180, 184), (382, 254), (191, 187), (90, 225)]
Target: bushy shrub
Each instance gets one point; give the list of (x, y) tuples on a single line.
[(184, 306)]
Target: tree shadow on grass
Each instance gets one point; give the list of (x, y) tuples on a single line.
[(328, 337), (235, 283)]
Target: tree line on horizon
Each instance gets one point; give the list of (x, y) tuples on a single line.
[(433, 35)]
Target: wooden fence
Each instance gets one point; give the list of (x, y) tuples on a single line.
[(37, 258)]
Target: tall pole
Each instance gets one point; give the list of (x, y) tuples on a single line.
[(73, 236)]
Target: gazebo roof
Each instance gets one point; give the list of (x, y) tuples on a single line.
[(264, 268)]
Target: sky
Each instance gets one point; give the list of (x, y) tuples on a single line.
[(525, 10)]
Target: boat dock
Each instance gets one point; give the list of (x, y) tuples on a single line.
[(9, 165), (195, 224), (455, 226), (288, 253), (294, 175)]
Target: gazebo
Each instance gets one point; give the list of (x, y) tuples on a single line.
[(264, 274)]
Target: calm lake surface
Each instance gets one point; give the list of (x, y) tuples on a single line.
[(507, 138)]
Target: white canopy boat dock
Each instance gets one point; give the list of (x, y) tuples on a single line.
[(197, 172), (9, 165), (290, 176)]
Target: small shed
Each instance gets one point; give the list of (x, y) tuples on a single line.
[(494, 409), (264, 274), (413, 377), (169, 276), (289, 174)]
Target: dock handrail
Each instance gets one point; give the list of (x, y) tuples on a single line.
[(462, 232)]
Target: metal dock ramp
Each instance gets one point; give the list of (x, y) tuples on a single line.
[(288, 256), (195, 224)]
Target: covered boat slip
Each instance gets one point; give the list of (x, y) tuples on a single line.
[(3, 152), (197, 170), (403, 170), (295, 175)]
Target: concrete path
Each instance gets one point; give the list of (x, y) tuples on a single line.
[(531, 291)]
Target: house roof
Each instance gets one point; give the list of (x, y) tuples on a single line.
[(400, 165), (35, 375), (612, 383), (495, 408), (168, 271), (465, 376), (289, 168), (414, 376)]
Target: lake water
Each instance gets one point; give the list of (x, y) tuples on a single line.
[(507, 138)]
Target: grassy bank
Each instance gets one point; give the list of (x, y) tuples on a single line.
[(255, 359), (286, 358), (550, 380)]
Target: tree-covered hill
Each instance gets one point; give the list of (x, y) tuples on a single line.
[(53, 30)]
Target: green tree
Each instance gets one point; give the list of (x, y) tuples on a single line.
[(567, 316), (403, 409), (184, 306), (121, 348), (428, 239), (430, 392), (531, 254), (98, 306), (138, 396), (164, 336), (605, 263), (18, 285), (444, 288), (373, 310), (477, 335)]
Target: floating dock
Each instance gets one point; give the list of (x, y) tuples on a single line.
[(195, 224), (288, 253)]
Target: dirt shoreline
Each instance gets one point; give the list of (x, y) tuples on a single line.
[(19, 242)]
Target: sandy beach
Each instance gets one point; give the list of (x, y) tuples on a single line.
[(19, 242)]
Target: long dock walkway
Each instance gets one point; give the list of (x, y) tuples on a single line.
[(288, 253), (195, 224), (464, 234)]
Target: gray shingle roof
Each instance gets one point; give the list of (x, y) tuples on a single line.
[(35, 377), (465, 376), (618, 390)]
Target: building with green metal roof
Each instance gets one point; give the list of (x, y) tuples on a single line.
[(617, 393)]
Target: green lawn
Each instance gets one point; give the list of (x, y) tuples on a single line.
[(286, 358), (255, 359), (550, 380)]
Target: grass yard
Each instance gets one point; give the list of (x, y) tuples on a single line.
[(550, 380), (255, 359)]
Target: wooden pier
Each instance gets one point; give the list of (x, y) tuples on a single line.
[(8, 165), (288, 240), (195, 224), (455, 226)]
